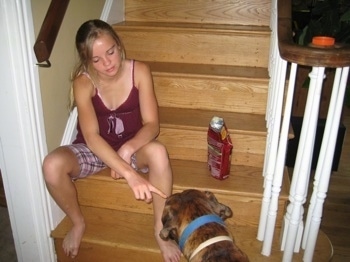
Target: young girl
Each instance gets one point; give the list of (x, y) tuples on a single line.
[(117, 126)]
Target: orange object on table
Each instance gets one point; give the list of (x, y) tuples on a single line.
[(323, 41)]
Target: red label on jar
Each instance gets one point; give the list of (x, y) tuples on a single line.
[(219, 149)]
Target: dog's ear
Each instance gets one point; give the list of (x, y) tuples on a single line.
[(169, 230), (169, 233), (221, 210)]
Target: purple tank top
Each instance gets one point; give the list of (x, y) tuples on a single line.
[(119, 125)]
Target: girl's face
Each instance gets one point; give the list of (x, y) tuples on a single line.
[(106, 58)]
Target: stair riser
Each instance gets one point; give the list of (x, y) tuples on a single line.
[(248, 149), (118, 196), (110, 194), (184, 46), (246, 210), (93, 252), (224, 94), (253, 12)]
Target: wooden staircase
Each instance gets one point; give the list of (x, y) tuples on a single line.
[(208, 58)]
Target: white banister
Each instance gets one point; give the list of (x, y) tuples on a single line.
[(269, 120), (293, 233), (293, 224), (324, 164), (273, 54), (70, 131)]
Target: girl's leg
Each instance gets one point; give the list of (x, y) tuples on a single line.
[(155, 157), (59, 167)]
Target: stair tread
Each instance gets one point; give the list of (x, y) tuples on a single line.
[(204, 70), (113, 228), (195, 119), (189, 42), (250, 12), (132, 231), (243, 181), (206, 27)]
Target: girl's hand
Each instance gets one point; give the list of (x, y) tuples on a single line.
[(115, 175), (125, 152), (143, 189)]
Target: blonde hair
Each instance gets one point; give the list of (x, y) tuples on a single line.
[(86, 35)]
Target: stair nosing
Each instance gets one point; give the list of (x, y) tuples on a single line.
[(245, 73), (205, 116), (198, 27)]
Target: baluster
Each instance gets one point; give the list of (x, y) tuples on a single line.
[(321, 158), (272, 143), (279, 169), (324, 164), (272, 67), (270, 103), (273, 54), (71, 128), (271, 90), (293, 223), (269, 117)]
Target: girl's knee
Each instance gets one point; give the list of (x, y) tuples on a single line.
[(50, 167), (158, 157), (159, 151), (57, 163)]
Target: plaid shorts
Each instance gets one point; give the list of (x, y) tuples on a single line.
[(91, 164)]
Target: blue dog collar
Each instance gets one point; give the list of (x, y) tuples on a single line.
[(198, 222)]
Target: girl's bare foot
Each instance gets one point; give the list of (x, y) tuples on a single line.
[(169, 249), (72, 240)]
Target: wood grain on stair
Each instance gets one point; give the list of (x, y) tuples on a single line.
[(253, 12), (171, 42), (241, 188), (184, 131), (117, 236)]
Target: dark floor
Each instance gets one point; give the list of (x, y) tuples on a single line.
[(7, 247)]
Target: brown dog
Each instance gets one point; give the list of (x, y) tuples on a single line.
[(194, 219)]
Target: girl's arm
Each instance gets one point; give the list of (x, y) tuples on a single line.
[(83, 91), (149, 111)]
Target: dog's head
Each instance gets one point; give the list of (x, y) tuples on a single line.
[(182, 208)]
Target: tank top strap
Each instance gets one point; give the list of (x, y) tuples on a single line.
[(132, 72), (87, 75), (92, 81)]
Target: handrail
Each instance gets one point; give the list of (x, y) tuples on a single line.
[(338, 56), (49, 30)]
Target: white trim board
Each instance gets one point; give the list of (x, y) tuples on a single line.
[(22, 136), (113, 11)]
